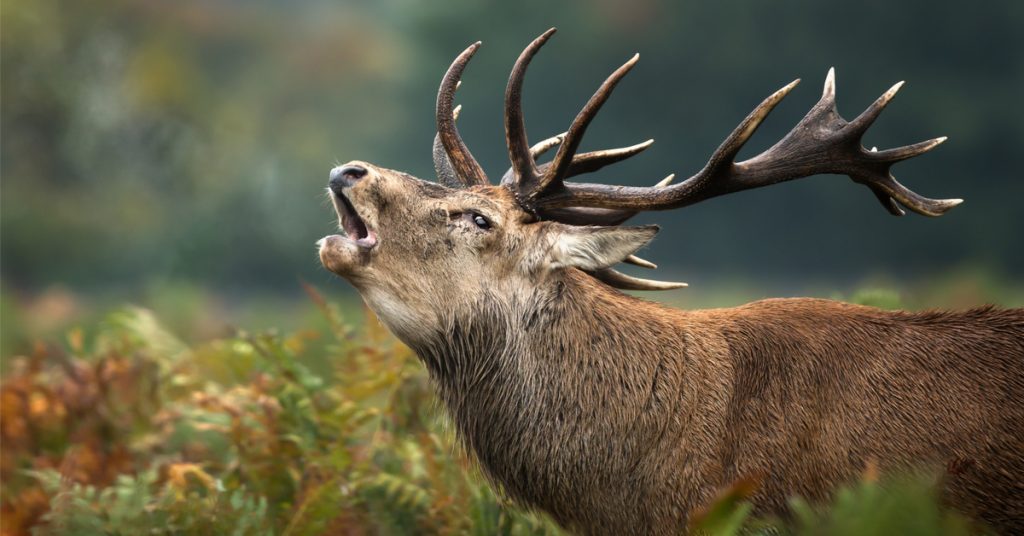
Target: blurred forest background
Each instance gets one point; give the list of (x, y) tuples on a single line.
[(173, 155)]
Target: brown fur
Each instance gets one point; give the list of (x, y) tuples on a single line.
[(617, 415)]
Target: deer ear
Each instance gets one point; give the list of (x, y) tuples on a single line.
[(593, 248)]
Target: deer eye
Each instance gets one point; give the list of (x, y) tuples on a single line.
[(480, 221)]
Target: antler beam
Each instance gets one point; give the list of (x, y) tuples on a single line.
[(822, 142)]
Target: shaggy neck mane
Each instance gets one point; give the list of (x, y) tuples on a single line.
[(525, 382)]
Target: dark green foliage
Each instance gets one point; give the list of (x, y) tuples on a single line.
[(908, 506), (135, 504)]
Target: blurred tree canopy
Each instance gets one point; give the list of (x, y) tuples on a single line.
[(191, 140)]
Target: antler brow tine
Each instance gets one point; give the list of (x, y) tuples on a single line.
[(622, 281)]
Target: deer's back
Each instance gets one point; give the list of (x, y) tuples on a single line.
[(815, 391)]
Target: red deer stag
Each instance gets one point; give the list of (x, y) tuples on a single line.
[(617, 415)]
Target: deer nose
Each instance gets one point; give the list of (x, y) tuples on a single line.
[(346, 176)]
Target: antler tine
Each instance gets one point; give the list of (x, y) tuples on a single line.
[(641, 262), (726, 153), (582, 163), (540, 148), (592, 161), (868, 116), (442, 165), (467, 170), (622, 281), (889, 191), (523, 165), (567, 149), (908, 151), (822, 142)]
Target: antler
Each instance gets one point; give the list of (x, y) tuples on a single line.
[(822, 142), (442, 164), (455, 165), (581, 163), (530, 182)]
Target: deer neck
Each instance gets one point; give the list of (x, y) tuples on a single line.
[(559, 322), (517, 376)]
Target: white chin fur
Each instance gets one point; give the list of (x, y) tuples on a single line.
[(402, 319)]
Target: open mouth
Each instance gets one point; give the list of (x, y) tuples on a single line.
[(354, 226)]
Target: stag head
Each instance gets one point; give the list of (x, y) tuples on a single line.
[(413, 247)]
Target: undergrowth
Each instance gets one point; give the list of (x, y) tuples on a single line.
[(127, 430)]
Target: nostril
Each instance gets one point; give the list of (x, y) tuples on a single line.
[(353, 172), (343, 176)]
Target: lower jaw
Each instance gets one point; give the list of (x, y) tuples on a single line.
[(338, 254)]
